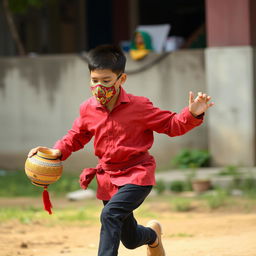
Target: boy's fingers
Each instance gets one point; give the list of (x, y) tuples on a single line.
[(210, 104), (208, 98), (33, 152), (191, 97), (56, 152)]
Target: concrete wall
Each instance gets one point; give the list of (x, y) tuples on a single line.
[(230, 81), (40, 97)]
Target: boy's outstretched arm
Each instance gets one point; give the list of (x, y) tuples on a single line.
[(200, 104), (176, 124)]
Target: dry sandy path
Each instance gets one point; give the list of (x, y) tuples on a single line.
[(185, 234)]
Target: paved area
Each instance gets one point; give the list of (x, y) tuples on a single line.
[(211, 173)]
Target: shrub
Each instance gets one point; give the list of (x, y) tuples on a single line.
[(229, 170), (16, 183), (249, 183), (216, 199), (160, 187), (191, 158), (181, 204), (177, 186)]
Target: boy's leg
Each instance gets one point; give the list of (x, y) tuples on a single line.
[(118, 211), (134, 235)]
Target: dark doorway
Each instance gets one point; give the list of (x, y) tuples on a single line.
[(99, 22), (186, 17)]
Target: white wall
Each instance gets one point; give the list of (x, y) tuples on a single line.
[(231, 82)]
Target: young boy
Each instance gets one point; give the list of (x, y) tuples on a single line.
[(122, 125)]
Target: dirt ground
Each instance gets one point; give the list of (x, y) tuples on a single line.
[(203, 233)]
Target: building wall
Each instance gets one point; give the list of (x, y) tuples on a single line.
[(231, 82), (231, 22), (40, 97)]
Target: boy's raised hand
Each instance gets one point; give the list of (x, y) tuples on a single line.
[(200, 104)]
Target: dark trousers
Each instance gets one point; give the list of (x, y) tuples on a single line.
[(118, 223)]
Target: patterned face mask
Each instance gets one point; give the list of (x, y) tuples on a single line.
[(104, 93)]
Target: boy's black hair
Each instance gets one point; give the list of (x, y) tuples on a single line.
[(107, 57)]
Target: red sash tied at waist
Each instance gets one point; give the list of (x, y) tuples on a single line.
[(115, 169)]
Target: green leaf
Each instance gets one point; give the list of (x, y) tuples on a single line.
[(191, 158), (22, 6)]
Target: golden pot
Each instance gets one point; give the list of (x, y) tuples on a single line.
[(43, 168)]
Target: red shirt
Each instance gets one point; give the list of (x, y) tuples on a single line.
[(122, 139)]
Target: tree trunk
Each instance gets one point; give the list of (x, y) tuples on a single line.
[(13, 29)]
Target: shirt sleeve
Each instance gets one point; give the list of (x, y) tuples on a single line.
[(75, 139), (170, 123)]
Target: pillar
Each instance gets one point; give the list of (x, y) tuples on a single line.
[(230, 72)]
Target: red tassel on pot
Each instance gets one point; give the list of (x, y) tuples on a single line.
[(46, 200), (43, 169)]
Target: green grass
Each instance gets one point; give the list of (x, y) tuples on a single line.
[(31, 215), (182, 235), (16, 184), (146, 212), (181, 204), (217, 199), (158, 207)]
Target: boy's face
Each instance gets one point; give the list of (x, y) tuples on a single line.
[(105, 76), (105, 84)]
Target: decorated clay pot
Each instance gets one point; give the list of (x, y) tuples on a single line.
[(43, 168)]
